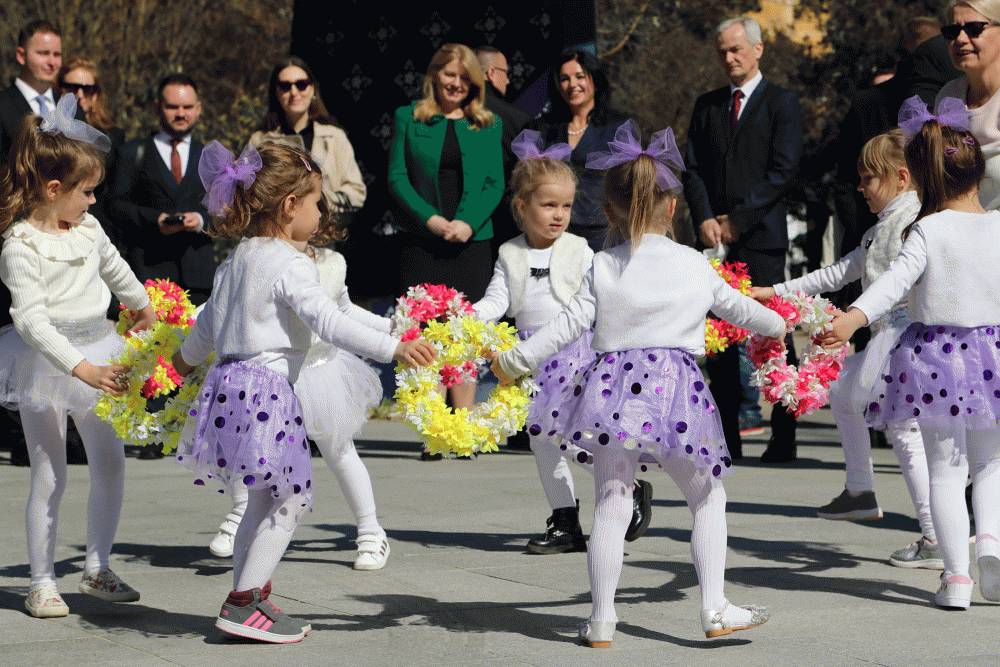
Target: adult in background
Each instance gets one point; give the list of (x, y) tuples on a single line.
[(446, 174), (297, 116), (974, 45), (580, 115), (743, 151)]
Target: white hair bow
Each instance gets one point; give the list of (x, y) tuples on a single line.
[(62, 120)]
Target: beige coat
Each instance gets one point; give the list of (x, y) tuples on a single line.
[(343, 186)]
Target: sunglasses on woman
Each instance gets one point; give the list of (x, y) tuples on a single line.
[(972, 28), (87, 88), (300, 85)]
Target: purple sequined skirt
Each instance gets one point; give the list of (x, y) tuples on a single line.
[(940, 374), (249, 431), (653, 400), (556, 379)]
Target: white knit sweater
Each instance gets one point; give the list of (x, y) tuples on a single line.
[(62, 279), (654, 297), (266, 302)]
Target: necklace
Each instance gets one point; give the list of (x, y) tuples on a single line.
[(574, 133)]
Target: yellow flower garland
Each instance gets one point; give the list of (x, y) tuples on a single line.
[(458, 342)]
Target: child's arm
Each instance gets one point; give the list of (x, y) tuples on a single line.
[(735, 307), (359, 314), (198, 344), (496, 301), (828, 279)]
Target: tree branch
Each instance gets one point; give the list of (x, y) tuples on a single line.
[(623, 42)]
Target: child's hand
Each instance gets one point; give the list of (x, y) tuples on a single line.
[(111, 379), (762, 294), (502, 377), (844, 326), (414, 353), (144, 319), (182, 367)]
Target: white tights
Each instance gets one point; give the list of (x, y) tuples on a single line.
[(614, 474), (45, 434), (554, 471), (262, 538), (949, 468)]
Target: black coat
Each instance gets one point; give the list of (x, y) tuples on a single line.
[(745, 173), (514, 119), (13, 109), (139, 193)]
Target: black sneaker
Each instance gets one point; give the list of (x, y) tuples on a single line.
[(642, 510), (845, 507), (563, 535), (258, 618)]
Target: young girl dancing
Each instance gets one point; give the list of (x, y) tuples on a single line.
[(537, 275), (944, 370), (644, 400), (336, 390), (58, 264), (266, 302), (887, 187)]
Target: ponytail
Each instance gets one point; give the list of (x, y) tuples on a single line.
[(634, 199)]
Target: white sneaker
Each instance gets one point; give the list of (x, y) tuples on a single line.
[(988, 560), (44, 601), (373, 552), (222, 544), (955, 592)]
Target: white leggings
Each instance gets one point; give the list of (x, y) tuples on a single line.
[(614, 474), (554, 471), (949, 468), (45, 434), (262, 538)]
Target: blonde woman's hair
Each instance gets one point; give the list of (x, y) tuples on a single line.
[(528, 175), (98, 115), (36, 158), (883, 154), (634, 200), (256, 211), (474, 106)]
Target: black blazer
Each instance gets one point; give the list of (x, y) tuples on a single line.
[(745, 173), (138, 194), (13, 109)]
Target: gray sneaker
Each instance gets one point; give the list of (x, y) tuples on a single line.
[(919, 554), (260, 619), (846, 507)]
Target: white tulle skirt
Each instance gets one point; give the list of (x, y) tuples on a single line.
[(336, 390), (29, 381)]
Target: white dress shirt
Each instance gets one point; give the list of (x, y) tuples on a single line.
[(164, 147), (31, 95), (747, 89)]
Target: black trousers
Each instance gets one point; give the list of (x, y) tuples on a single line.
[(766, 267)]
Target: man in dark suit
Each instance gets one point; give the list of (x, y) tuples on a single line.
[(156, 196), (743, 151), (39, 53)]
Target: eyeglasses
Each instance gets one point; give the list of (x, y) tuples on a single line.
[(300, 85), (88, 89), (971, 28)]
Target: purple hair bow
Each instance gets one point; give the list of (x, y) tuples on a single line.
[(626, 147), (529, 145), (220, 173), (951, 112)]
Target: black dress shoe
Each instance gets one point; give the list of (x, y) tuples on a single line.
[(642, 510), (519, 441), (562, 535), (427, 456), (776, 453)]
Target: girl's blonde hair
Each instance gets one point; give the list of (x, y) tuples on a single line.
[(474, 106), (98, 115), (36, 158), (256, 211), (883, 154), (528, 175), (634, 200)]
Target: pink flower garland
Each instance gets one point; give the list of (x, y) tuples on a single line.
[(805, 388), (427, 303)]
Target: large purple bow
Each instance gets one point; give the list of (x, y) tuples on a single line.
[(220, 172), (951, 112), (626, 147), (529, 145)]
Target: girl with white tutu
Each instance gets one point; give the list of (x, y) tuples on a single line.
[(535, 277), (58, 264), (944, 370), (888, 189), (336, 389), (267, 301), (643, 401)]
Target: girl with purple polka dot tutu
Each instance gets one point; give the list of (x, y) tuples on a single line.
[(643, 400), (248, 429), (943, 369), (536, 275)]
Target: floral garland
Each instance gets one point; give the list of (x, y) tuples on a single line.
[(804, 388), (460, 344), (151, 374), (720, 334)]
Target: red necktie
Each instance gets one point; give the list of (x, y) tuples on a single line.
[(175, 161), (734, 110)]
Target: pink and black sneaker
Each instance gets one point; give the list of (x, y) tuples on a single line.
[(251, 615)]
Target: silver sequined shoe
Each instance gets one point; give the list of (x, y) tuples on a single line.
[(718, 623), (597, 634), (919, 554)]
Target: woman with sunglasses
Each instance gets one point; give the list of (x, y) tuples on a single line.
[(973, 36), (297, 116)]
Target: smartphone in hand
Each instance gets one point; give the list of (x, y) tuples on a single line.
[(174, 220)]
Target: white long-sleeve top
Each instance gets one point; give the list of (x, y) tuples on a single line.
[(948, 265), (654, 297), (63, 279), (984, 122), (879, 246), (266, 302), (533, 301)]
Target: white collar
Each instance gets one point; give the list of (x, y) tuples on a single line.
[(749, 86), (165, 138), (908, 198), (31, 94)]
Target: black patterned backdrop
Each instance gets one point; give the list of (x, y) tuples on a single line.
[(370, 59)]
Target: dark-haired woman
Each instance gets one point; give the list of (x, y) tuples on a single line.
[(296, 115)]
